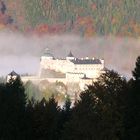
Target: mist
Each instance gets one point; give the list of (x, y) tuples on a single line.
[(21, 53)]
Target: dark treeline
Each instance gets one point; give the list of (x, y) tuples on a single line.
[(107, 110)]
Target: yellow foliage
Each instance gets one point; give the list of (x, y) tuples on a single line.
[(2, 26)]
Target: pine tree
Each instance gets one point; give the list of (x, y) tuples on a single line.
[(98, 115), (46, 117), (132, 117), (110, 91), (136, 72), (13, 120), (84, 121)]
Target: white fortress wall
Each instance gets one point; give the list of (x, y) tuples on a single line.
[(73, 77), (73, 68), (84, 83), (91, 71), (59, 65)]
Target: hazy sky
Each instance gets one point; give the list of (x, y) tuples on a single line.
[(22, 52)]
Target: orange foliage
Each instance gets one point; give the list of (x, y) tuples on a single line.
[(114, 21), (87, 24), (94, 6), (89, 32), (136, 28), (56, 28), (52, 29), (132, 28), (2, 26), (85, 20), (42, 28)]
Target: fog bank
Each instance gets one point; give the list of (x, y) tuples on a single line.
[(22, 52)]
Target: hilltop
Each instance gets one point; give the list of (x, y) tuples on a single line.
[(84, 17)]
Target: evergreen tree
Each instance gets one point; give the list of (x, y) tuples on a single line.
[(30, 118), (84, 122), (136, 72), (98, 115), (46, 117), (65, 115), (67, 108), (13, 120), (110, 90), (132, 123)]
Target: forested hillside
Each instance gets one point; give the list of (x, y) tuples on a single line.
[(84, 17)]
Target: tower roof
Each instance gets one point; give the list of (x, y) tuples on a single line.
[(47, 53), (70, 54), (85, 77), (86, 61), (13, 73)]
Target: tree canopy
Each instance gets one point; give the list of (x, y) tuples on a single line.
[(107, 110)]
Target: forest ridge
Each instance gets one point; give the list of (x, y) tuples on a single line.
[(84, 17)]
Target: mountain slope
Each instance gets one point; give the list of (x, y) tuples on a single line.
[(84, 17)]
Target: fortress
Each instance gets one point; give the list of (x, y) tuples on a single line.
[(73, 70), (74, 73)]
